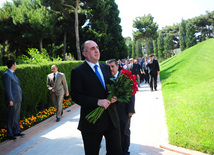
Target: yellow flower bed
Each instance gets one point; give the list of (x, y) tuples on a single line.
[(32, 120)]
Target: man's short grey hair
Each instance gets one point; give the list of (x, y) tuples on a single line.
[(112, 60), (83, 46)]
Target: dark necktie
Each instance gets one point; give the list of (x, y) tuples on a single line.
[(98, 75), (54, 77)]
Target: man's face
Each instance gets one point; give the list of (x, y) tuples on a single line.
[(13, 67), (54, 69), (113, 67), (92, 53), (150, 58)]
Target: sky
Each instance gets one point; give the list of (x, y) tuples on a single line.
[(165, 12)]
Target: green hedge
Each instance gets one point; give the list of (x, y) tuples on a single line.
[(33, 78)]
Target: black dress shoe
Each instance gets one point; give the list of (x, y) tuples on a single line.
[(57, 119), (20, 134), (11, 137)]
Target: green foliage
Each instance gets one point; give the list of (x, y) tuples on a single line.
[(104, 27), (33, 78), (160, 45), (155, 46), (187, 88), (168, 46), (191, 39), (34, 57), (182, 35), (138, 49), (146, 29)]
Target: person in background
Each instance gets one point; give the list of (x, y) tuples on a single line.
[(88, 89), (13, 99), (125, 111), (144, 70), (153, 70), (126, 62), (120, 64), (134, 67), (57, 84), (142, 77)]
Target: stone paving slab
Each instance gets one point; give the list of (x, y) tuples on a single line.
[(148, 132)]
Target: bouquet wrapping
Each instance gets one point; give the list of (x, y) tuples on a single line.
[(124, 86)]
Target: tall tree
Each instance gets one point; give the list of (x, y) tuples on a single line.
[(133, 49), (150, 46), (36, 17), (6, 28), (168, 45), (146, 28), (155, 47), (182, 35), (129, 44), (116, 45), (75, 6), (138, 49), (104, 27), (191, 39), (160, 45)]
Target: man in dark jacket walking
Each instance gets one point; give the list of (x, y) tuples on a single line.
[(153, 67)]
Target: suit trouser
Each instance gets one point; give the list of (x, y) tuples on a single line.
[(146, 76), (125, 134), (153, 77), (57, 102), (92, 142), (13, 118)]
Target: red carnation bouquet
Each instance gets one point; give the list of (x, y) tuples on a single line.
[(124, 86)]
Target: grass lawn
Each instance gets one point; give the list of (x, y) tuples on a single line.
[(188, 92)]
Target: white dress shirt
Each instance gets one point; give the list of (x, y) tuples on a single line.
[(98, 68)]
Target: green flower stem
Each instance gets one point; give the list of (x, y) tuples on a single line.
[(93, 116)]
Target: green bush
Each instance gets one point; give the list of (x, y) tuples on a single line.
[(33, 78)]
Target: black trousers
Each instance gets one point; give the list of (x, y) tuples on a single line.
[(125, 135), (92, 142), (153, 77)]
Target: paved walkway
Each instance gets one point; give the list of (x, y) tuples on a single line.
[(148, 132)]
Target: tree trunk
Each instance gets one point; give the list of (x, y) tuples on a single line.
[(76, 28), (2, 54), (146, 47), (40, 45), (65, 44), (77, 31)]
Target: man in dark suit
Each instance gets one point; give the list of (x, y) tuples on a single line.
[(57, 84), (153, 69), (88, 89), (144, 70), (125, 111), (134, 67), (13, 99)]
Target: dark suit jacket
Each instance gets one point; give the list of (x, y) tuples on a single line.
[(153, 67), (86, 89), (13, 91), (135, 68)]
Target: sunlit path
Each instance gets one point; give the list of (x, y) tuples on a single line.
[(148, 132)]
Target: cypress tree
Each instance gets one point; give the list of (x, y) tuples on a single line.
[(116, 44), (191, 39), (160, 45), (155, 47), (182, 35)]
